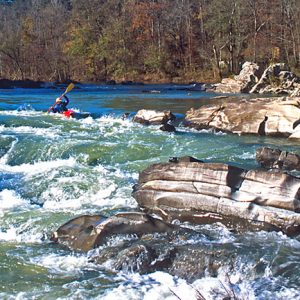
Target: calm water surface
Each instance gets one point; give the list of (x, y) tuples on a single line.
[(53, 169)]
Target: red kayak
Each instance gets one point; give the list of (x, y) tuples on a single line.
[(76, 115), (69, 113)]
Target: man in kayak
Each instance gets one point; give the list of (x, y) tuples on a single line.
[(60, 105)]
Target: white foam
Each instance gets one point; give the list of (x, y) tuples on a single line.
[(161, 285), (9, 234), (247, 155), (25, 113), (66, 264), (156, 286), (45, 132), (5, 157), (9, 200), (39, 167), (62, 205)]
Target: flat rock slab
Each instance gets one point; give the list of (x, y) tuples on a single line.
[(261, 116), (210, 192)]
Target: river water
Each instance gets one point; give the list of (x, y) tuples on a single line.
[(53, 169)]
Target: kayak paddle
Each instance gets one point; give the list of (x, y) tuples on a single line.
[(68, 89)]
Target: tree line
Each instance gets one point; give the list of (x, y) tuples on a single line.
[(144, 40)]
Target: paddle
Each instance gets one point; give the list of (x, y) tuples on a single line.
[(68, 89)]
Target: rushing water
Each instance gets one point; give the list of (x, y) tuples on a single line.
[(53, 168)]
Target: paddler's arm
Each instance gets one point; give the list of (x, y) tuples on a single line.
[(67, 100)]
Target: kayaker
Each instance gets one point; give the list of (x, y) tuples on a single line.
[(60, 105)]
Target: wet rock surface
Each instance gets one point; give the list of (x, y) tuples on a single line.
[(210, 192), (276, 159), (137, 242), (261, 116), (88, 232), (190, 261), (153, 117)]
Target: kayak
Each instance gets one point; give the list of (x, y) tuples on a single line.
[(76, 115)]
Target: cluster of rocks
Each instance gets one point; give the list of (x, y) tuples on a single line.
[(261, 116), (156, 246), (276, 79), (209, 192), (188, 189), (276, 159)]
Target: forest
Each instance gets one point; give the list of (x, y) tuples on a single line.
[(145, 40)]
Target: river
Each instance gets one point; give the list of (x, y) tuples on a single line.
[(53, 169)]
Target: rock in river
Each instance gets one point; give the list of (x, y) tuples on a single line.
[(153, 246), (263, 116), (90, 231), (277, 159), (153, 117), (210, 192)]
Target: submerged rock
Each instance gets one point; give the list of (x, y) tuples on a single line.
[(277, 159), (153, 245), (153, 117), (210, 192), (263, 116), (189, 261), (168, 127)]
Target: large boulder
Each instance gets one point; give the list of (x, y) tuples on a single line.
[(209, 192), (276, 159), (90, 231), (263, 116), (241, 83), (153, 117), (277, 79)]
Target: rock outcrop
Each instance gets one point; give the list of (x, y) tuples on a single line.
[(90, 231), (137, 242), (153, 117), (264, 116), (241, 83), (277, 159), (210, 192), (277, 79)]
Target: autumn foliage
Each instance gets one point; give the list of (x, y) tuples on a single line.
[(154, 40)]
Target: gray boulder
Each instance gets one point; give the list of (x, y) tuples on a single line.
[(153, 117), (210, 192)]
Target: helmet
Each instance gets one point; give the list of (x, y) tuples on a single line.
[(58, 100)]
